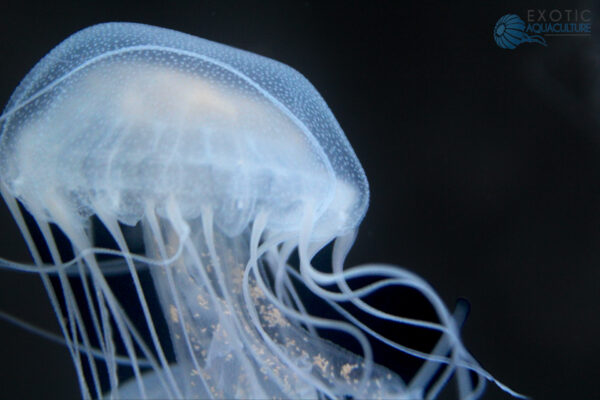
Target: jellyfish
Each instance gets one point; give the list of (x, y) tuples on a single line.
[(509, 32), (221, 174)]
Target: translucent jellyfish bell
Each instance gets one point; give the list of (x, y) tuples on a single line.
[(254, 133), (225, 163)]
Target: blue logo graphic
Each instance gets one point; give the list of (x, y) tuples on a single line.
[(509, 32)]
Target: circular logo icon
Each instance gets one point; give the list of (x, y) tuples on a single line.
[(509, 32)]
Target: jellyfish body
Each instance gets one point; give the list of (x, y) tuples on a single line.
[(227, 163), (509, 32)]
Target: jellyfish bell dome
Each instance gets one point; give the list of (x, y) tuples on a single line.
[(123, 115)]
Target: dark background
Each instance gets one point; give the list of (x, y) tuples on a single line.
[(483, 165)]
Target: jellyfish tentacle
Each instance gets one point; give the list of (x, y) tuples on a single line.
[(434, 356), (308, 273), (405, 349), (68, 266), (461, 358), (342, 247), (79, 240), (465, 389), (444, 344), (83, 329), (125, 327), (282, 280), (94, 315), (72, 312), (281, 256), (113, 227), (425, 289), (399, 276), (18, 217), (479, 388), (313, 277), (55, 338), (306, 268), (306, 318), (116, 310), (275, 260), (441, 382), (408, 280), (323, 323), (346, 314), (107, 330), (111, 351)]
